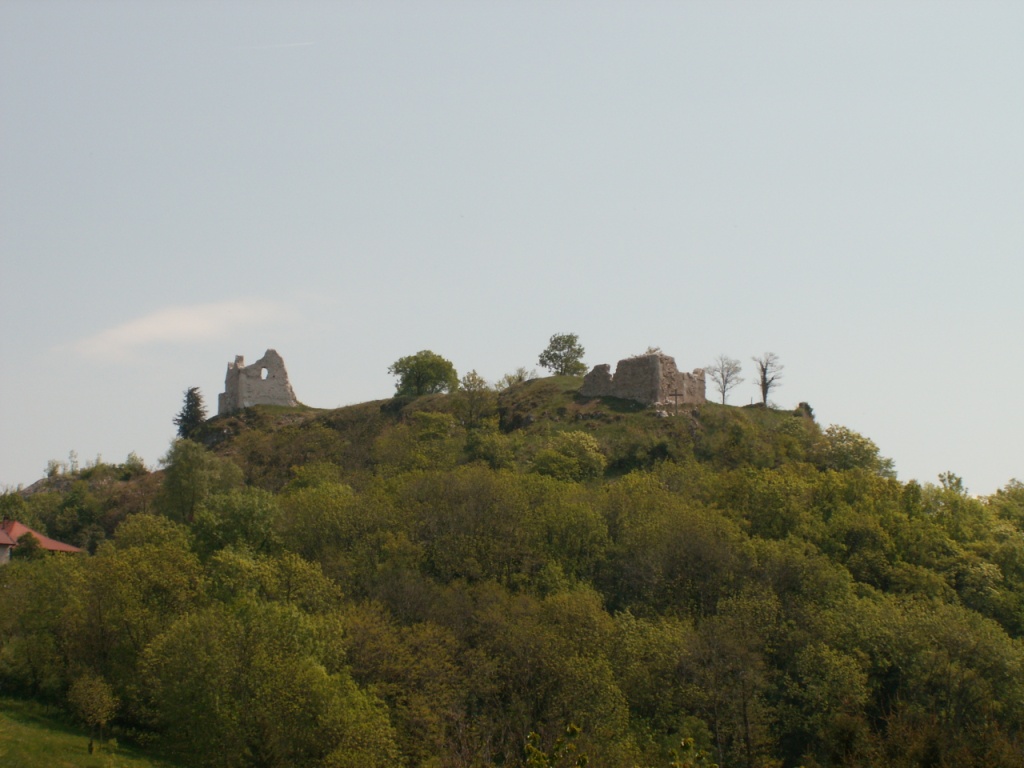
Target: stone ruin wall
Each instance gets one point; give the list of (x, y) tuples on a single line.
[(265, 382), (648, 379), (691, 385)]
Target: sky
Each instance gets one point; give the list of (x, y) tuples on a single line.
[(349, 183)]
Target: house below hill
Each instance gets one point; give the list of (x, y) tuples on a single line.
[(12, 530)]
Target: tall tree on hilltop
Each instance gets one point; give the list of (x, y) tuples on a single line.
[(769, 371), (192, 414), (725, 373), (564, 355), (425, 373)]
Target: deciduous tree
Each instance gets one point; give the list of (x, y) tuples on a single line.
[(245, 517), (476, 399), (769, 371), (425, 373), (28, 548), (267, 696), (725, 373), (92, 699), (573, 455), (192, 474), (843, 449), (564, 355)]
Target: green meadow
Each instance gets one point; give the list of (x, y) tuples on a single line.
[(31, 737)]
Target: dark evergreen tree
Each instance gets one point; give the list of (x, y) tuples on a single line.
[(192, 414)]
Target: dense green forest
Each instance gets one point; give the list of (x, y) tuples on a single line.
[(524, 578)]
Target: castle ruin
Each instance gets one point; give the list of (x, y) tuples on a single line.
[(265, 382), (651, 379)]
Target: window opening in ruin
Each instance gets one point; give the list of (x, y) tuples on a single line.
[(264, 373)]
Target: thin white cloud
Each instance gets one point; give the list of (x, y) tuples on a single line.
[(179, 325)]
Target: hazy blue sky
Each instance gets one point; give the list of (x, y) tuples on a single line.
[(839, 183)]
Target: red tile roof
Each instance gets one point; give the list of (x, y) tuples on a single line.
[(15, 530)]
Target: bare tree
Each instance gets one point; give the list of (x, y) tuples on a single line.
[(769, 371), (518, 376), (725, 373)]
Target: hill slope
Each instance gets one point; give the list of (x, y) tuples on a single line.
[(31, 739), (518, 578)]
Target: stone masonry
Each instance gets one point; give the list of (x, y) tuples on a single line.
[(265, 382), (650, 379)]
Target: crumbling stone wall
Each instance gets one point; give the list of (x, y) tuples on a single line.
[(265, 382), (649, 379)]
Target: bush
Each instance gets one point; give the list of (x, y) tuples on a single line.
[(570, 456)]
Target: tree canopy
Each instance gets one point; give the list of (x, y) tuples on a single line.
[(425, 373), (563, 356), (527, 578)]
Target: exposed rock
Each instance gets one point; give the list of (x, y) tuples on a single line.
[(651, 379), (265, 382)]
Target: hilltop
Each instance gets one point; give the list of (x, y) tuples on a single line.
[(528, 577)]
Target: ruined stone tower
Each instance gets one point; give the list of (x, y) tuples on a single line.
[(651, 379), (265, 382)]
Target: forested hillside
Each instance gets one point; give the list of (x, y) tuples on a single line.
[(526, 578)]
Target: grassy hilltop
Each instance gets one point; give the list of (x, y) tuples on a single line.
[(526, 578)]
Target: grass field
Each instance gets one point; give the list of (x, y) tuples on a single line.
[(31, 738)]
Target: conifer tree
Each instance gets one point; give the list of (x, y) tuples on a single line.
[(192, 414)]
